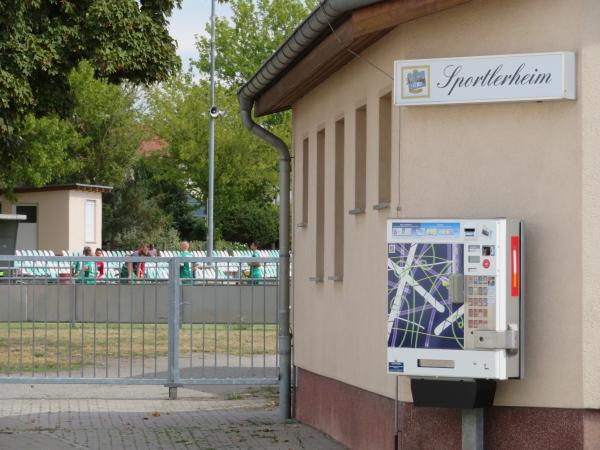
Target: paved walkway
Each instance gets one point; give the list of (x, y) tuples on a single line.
[(53, 417)]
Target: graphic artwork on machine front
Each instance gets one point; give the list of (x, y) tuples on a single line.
[(420, 312)]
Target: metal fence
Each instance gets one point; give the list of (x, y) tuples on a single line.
[(139, 320)]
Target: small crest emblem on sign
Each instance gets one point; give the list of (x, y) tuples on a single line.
[(416, 81)]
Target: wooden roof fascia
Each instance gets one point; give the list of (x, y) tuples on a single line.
[(391, 13), (325, 59), (364, 27)]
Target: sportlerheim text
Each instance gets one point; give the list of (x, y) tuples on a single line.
[(493, 77)]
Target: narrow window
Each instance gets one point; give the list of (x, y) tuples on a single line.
[(304, 218), (90, 221), (360, 162), (385, 152), (338, 251), (320, 214)]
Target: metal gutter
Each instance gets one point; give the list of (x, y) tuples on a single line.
[(305, 37), (307, 34)]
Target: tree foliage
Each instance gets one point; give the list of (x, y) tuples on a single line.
[(43, 40), (245, 167), (97, 143), (132, 217), (250, 221), (106, 117), (43, 152), (256, 29), (71, 113)]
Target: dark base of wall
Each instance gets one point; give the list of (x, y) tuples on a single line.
[(363, 420)]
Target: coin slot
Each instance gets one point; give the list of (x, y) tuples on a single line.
[(436, 363)]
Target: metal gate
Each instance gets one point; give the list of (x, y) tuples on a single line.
[(139, 320)]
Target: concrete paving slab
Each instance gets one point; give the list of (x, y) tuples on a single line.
[(141, 417)]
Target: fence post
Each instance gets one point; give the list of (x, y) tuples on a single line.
[(174, 319), (73, 304)]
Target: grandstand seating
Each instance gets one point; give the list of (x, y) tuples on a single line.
[(221, 270)]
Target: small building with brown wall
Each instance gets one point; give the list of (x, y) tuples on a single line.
[(59, 217), (358, 160)]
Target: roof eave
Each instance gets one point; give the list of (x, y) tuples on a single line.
[(65, 187)]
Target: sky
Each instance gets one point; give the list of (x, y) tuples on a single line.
[(189, 21)]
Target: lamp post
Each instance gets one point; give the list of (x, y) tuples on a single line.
[(214, 112)]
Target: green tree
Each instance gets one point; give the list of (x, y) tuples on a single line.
[(256, 29), (245, 167), (132, 217), (105, 116), (43, 40), (253, 33), (250, 221), (99, 143), (42, 153), (165, 185), (156, 196)]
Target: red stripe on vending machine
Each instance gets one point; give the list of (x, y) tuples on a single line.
[(515, 262)]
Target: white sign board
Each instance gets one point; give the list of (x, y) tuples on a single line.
[(485, 79)]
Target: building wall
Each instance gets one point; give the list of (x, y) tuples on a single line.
[(363, 420), (61, 218), (590, 195), (53, 217), (521, 160)]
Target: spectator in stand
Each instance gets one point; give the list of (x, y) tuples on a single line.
[(99, 264), (85, 272), (186, 270), (133, 270), (152, 252), (256, 269)]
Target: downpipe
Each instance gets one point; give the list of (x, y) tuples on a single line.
[(283, 314), (305, 35)]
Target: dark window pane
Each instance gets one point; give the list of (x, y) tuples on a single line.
[(29, 211)]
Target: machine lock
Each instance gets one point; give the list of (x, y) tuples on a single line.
[(497, 340)]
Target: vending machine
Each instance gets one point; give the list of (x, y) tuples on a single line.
[(455, 298)]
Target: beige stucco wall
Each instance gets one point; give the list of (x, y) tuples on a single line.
[(53, 213), (61, 218), (590, 179), (521, 160)]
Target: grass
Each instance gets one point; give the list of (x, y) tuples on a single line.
[(233, 396), (268, 392), (37, 347)]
